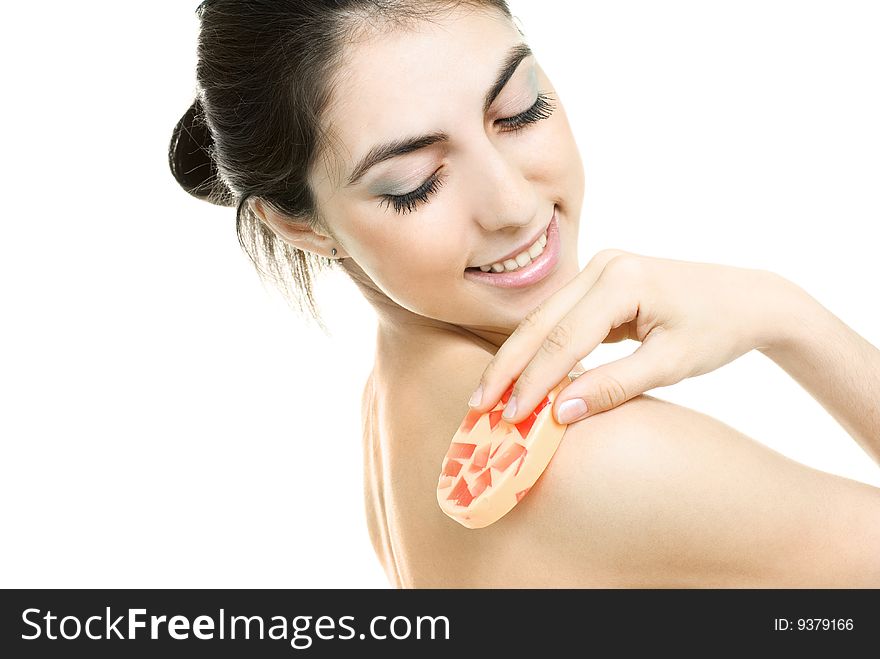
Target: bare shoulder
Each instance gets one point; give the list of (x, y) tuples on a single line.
[(650, 494), (676, 498)]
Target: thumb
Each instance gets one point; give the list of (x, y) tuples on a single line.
[(607, 386)]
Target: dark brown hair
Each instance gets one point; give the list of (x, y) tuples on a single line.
[(263, 74)]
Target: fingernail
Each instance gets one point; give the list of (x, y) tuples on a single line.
[(509, 409), (476, 397), (572, 410)]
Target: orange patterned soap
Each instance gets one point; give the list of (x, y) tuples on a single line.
[(491, 464)]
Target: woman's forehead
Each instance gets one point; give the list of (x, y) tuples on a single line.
[(413, 80)]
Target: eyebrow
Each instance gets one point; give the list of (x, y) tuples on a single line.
[(406, 145)]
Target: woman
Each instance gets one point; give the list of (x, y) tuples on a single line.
[(420, 147)]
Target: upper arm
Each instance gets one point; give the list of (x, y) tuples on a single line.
[(659, 495)]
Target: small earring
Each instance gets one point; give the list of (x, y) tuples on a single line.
[(333, 251)]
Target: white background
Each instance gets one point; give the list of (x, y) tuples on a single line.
[(168, 422)]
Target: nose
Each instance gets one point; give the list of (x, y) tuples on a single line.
[(499, 188)]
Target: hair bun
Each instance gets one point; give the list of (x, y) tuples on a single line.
[(190, 156)]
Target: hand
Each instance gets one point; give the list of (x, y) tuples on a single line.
[(690, 317)]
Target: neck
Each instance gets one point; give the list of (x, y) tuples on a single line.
[(401, 327)]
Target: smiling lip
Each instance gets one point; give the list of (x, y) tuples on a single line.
[(519, 250), (534, 272)]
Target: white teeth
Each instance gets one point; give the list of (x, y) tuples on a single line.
[(520, 260)]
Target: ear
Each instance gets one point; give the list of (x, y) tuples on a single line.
[(297, 233)]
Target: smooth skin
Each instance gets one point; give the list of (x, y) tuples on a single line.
[(645, 494), (690, 318)]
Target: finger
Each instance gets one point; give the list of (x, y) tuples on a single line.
[(612, 384), (608, 304), (512, 357)]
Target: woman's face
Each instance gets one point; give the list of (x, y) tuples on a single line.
[(483, 184)]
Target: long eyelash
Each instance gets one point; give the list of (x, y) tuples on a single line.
[(407, 203), (542, 109)]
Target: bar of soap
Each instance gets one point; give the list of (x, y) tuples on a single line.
[(492, 464)]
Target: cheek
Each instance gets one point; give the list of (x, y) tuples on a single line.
[(430, 255), (550, 158), (415, 260), (564, 161)]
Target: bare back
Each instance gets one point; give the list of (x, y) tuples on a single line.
[(650, 494)]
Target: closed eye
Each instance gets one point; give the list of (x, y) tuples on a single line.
[(406, 203), (542, 109), (410, 201)]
